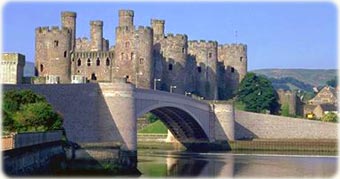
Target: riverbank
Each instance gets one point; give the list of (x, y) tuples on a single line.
[(282, 146)]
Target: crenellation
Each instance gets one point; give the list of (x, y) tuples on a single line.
[(141, 54)]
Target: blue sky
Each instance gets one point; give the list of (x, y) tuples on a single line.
[(278, 35)]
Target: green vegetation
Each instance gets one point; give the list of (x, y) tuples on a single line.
[(333, 82), (257, 94), (330, 117), (290, 83), (314, 77), (239, 105), (155, 127), (285, 110), (25, 111), (151, 117)]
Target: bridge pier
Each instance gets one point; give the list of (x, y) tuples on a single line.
[(119, 97), (225, 121)]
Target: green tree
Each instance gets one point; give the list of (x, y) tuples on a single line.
[(333, 82), (330, 117), (285, 110), (257, 94), (25, 111), (151, 117)]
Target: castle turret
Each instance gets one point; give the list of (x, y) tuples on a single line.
[(133, 52), (96, 35), (52, 47), (126, 18), (174, 54), (68, 20), (204, 55), (158, 27), (233, 58)]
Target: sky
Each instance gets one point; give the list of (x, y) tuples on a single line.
[(277, 35)]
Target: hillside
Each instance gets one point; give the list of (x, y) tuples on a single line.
[(313, 77)]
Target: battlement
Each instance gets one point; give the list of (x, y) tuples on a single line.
[(94, 55), (177, 36), (52, 29), (68, 14), (233, 46), (157, 21), (96, 22), (144, 29), (125, 12), (82, 39), (202, 44)]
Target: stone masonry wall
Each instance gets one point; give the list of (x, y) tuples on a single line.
[(254, 125)]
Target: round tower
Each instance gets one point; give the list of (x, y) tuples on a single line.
[(234, 59), (68, 20), (126, 18), (96, 35), (158, 27), (174, 51), (144, 64), (52, 47), (204, 55)]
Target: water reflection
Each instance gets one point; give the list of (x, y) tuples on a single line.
[(174, 163)]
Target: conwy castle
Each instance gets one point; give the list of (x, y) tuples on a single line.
[(145, 56)]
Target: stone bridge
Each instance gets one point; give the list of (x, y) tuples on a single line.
[(108, 112)]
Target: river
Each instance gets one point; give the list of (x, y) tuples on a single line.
[(226, 164)]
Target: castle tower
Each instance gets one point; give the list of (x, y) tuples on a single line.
[(173, 51), (158, 27), (126, 18), (133, 52), (96, 35), (52, 53), (204, 55), (233, 58), (68, 20)]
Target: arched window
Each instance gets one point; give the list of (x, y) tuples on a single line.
[(232, 69), (107, 62), (141, 60), (88, 62), (199, 69), (170, 67), (93, 76), (56, 43), (41, 67), (65, 54), (127, 44), (98, 62), (79, 62)]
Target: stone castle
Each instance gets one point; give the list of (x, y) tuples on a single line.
[(145, 56)]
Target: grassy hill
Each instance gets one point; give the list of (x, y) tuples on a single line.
[(312, 77)]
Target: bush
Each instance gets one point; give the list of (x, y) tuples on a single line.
[(25, 111), (330, 117), (151, 118)]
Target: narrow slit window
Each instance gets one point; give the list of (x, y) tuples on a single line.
[(65, 54), (79, 62), (232, 69), (210, 55), (98, 62), (199, 69), (107, 62), (41, 67), (141, 61), (170, 67), (88, 62), (241, 59), (56, 43)]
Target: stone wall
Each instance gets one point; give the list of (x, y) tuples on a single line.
[(33, 153), (253, 125)]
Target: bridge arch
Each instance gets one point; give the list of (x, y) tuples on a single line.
[(182, 123)]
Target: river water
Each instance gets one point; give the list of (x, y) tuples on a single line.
[(226, 164)]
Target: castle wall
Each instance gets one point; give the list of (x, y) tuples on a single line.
[(52, 46), (95, 66), (83, 44), (12, 68), (233, 59), (204, 54)]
